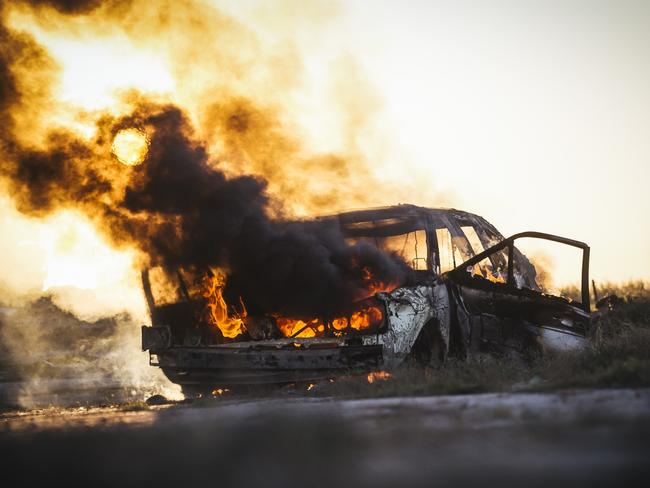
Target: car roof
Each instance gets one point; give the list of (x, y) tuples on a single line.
[(406, 217)]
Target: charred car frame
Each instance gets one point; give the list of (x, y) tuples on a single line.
[(471, 290)]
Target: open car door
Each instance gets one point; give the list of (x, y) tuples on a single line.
[(500, 305)]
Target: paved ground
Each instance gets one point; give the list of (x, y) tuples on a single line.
[(579, 438)]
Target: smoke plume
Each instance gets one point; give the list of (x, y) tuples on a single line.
[(180, 207)]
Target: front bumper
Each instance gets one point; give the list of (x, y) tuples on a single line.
[(272, 361)]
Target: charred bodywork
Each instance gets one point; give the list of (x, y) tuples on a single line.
[(471, 289)]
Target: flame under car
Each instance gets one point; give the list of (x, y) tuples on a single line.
[(470, 289)]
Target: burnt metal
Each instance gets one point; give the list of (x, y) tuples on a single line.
[(456, 313), (299, 331), (509, 243), (340, 357), (156, 338)]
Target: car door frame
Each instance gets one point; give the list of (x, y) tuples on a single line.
[(493, 292)]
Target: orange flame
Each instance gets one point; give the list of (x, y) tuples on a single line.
[(372, 285), (361, 319), (232, 322), (365, 318), (217, 309), (289, 327), (378, 375)]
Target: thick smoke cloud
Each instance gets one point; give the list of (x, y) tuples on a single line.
[(180, 209)]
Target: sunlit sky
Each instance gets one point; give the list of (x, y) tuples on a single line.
[(534, 114)]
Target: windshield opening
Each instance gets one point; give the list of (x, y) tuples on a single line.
[(410, 246), (494, 267)]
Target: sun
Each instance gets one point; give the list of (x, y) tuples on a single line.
[(130, 146)]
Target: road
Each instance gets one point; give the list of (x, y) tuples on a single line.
[(577, 438)]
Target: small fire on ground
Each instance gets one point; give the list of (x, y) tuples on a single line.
[(378, 376)]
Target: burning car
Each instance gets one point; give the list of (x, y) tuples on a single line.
[(469, 289)]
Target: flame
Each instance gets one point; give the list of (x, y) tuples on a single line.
[(378, 375), (372, 285), (487, 273), (289, 327), (220, 391), (130, 146), (311, 386), (361, 319), (231, 321), (340, 323), (217, 309), (364, 318), (495, 278)]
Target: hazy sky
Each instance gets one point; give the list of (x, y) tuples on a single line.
[(534, 114)]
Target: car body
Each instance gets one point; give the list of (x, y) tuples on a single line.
[(471, 290)]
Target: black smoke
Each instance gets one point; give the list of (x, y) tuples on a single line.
[(180, 209), (292, 267), (75, 7)]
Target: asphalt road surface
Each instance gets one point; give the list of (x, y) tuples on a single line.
[(571, 438)]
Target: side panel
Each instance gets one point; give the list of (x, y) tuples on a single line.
[(504, 318), (408, 310)]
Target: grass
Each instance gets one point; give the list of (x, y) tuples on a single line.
[(618, 354)]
